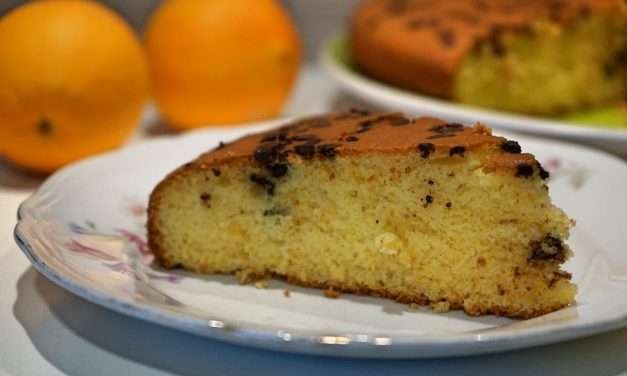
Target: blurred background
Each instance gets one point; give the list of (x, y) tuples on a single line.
[(315, 19)]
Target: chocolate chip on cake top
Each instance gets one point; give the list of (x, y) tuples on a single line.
[(357, 131)]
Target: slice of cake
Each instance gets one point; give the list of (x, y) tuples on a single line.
[(417, 210), (533, 56)]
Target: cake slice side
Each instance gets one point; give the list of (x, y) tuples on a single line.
[(466, 227)]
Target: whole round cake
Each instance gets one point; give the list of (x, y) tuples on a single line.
[(534, 56)]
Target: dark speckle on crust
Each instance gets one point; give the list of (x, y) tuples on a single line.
[(216, 172), (426, 149), (267, 153), (447, 128), (457, 150), (511, 147), (352, 139), (445, 135), (306, 150), (524, 170), (544, 174), (364, 126), (328, 150), (396, 121), (278, 169), (447, 37)]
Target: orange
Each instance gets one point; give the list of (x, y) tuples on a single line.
[(73, 81), (220, 61)]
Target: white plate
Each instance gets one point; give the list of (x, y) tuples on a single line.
[(390, 97), (84, 230)]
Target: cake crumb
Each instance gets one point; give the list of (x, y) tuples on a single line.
[(331, 293), (387, 243), (261, 284), (440, 307), (414, 306), (286, 292)]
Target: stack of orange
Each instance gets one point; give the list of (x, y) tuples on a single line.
[(74, 78)]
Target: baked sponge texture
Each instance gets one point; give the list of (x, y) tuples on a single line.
[(432, 226), (535, 56), (549, 68)]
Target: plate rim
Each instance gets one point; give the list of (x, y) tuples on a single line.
[(355, 83), (400, 347)]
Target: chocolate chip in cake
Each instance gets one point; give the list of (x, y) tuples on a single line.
[(550, 248), (584, 11), (278, 169), (364, 126), (447, 37), (428, 199), (524, 170), (457, 150), (495, 39), (276, 210), (205, 198), (556, 8), (426, 149), (267, 153), (352, 139), (306, 150), (397, 121), (449, 205), (447, 128), (45, 127), (328, 150), (544, 174), (511, 147), (216, 172), (430, 182), (263, 182)]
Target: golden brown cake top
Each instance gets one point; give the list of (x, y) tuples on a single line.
[(444, 32), (356, 132)]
